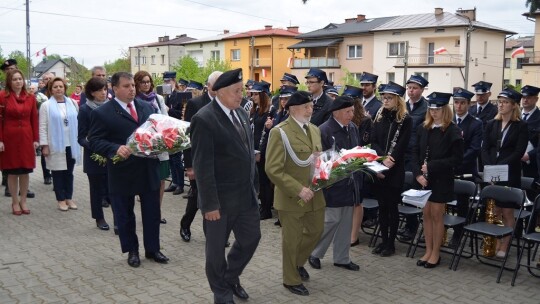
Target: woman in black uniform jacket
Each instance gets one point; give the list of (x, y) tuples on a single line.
[(259, 114), (389, 137), (504, 143), (438, 149)]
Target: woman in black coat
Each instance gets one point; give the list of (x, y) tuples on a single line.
[(390, 135), (505, 141), (96, 94), (438, 150)]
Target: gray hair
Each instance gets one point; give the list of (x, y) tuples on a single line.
[(213, 77), (96, 68)]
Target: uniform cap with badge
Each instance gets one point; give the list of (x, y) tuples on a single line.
[(194, 85), (530, 90), (438, 100), (290, 78), (461, 93), (168, 75), (392, 88), (227, 79), (511, 94), (352, 91), (482, 87), (419, 80), (368, 78), (317, 73), (287, 91)]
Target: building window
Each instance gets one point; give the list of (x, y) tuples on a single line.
[(356, 76), (355, 51), (143, 59), (153, 59), (162, 59), (506, 81), (235, 55), (458, 43), (391, 76), (521, 61), (215, 55), (423, 74), (506, 63), (331, 76), (518, 82), (396, 49)]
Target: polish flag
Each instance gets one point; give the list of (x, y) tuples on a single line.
[(289, 62), (440, 50), (264, 73), (44, 52), (519, 51), (41, 52)]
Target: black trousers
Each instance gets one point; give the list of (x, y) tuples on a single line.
[(222, 272), (46, 172), (98, 192), (191, 206), (266, 191), (388, 198), (125, 220), (63, 179)]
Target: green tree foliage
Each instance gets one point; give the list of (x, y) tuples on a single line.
[(215, 65), (187, 68), (533, 5), (122, 64), (350, 79), (22, 63)]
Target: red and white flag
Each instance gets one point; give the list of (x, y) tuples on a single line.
[(264, 73), (289, 62), (440, 50), (519, 51), (42, 52)]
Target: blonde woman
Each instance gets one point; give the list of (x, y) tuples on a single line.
[(389, 137), (438, 149)]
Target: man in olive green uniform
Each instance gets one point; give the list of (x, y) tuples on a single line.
[(288, 165)]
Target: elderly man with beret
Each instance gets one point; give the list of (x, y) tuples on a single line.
[(288, 166)]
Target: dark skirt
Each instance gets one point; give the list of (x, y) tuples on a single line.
[(164, 169), (442, 189), (17, 171)]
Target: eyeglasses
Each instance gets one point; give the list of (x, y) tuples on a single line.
[(388, 97), (311, 82)]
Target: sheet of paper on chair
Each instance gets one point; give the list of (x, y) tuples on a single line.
[(376, 167), (416, 193)]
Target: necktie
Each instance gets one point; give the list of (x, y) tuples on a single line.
[(133, 112), (525, 115), (306, 128), (479, 111), (459, 121), (346, 129), (364, 103), (239, 128)]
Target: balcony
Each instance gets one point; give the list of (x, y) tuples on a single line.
[(425, 60), (261, 62), (316, 62)]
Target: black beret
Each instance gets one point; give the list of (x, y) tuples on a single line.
[(228, 78), (8, 63), (341, 102), (298, 98)]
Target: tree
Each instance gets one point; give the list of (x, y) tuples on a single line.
[(186, 67), (350, 79), (122, 64), (215, 65), (533, 5)]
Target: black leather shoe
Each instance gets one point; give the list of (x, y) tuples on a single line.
[(102, 224), (178, 191), (29, 194), (314, 262), (369, 223), (304, 275), (171, 188), (133, 259), (297, 289), (355, 243), (157, 256), (116, 230), (239, 291), (388, 251), (185, 234), (429, 265), (105, 204), (378, 249), (47, 181), (406, 236), (421, 263), (163, 221), (351, 266), (277, 223), (228, 244)]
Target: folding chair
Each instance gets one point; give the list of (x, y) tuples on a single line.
[(530, 240), (497, 193)]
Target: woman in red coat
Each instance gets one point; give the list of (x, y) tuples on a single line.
[(19, 138)]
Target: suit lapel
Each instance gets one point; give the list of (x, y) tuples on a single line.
[(299, 132), (120, 111), (230, 128)]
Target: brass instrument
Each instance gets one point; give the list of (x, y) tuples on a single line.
[(490, 242)]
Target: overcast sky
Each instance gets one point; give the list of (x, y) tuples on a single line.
[(95, 31)]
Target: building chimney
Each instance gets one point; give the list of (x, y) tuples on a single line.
[(360, 18), (160, 39), (293, 29), (468, 13), (438, 11), (180, 36), (350, 20), (165, 38), (225, 31), (267, 27)]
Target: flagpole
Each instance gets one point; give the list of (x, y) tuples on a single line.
[(28, 40)]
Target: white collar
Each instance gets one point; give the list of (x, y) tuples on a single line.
[(367, 100), (462, 117), (530, 112), (125, 105), (226, 110)]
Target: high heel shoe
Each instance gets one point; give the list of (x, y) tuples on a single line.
[(421, 263), (16, 212), (429, 265), (24, 211)]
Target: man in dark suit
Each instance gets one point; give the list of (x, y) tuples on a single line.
[(484, 109), (417, 108), (101, 72), (224, 164), (315, 81), (370, 102), (192, 107), (472, 143), (531, 115), (110, 126)]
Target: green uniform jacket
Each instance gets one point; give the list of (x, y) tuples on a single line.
[(288, 177)]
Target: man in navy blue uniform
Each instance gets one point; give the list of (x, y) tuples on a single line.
[(370, 102), (315, 81), (483, 110), (110, 126), (531, 115), (472, 143)]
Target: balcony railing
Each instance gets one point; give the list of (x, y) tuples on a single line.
[(432, 60), (316, 62)]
